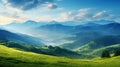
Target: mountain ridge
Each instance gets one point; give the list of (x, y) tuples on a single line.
[(6, 35)]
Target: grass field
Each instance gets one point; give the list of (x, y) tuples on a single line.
[(10, 57)]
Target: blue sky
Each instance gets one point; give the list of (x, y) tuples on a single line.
[(58, 10)]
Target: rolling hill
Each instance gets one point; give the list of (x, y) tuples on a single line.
[(47, 50), (10, 57), (96, 46), (85, 34), (80, 39)]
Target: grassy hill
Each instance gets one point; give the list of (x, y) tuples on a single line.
[(10, 57), (111, 49), (48, 50), (96, 46)]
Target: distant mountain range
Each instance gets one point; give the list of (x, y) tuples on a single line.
[(56, 33)]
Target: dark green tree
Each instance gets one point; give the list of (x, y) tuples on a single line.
[(105, 54), (50, 47), (117, 53)]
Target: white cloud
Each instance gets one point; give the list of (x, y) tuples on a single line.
[(87, 15), (52, 6), (99, 14), (73, 15), (83, 12)]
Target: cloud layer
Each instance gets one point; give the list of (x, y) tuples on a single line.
[(29, 4), (86, 14)]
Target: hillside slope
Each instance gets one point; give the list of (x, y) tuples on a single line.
[(47, 50), (96, 46), (14, 58), (21, 38)]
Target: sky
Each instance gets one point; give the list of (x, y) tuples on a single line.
[(58, 10)]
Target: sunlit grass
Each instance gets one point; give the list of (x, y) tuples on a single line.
[(15, 58)]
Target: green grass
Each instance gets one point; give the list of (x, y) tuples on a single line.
[(10, 57), (110, 48), (94, 50)]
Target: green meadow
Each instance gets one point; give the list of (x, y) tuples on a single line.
[(10, 57)]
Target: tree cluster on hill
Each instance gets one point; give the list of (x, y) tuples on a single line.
[(106, 53), (117, 52)]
